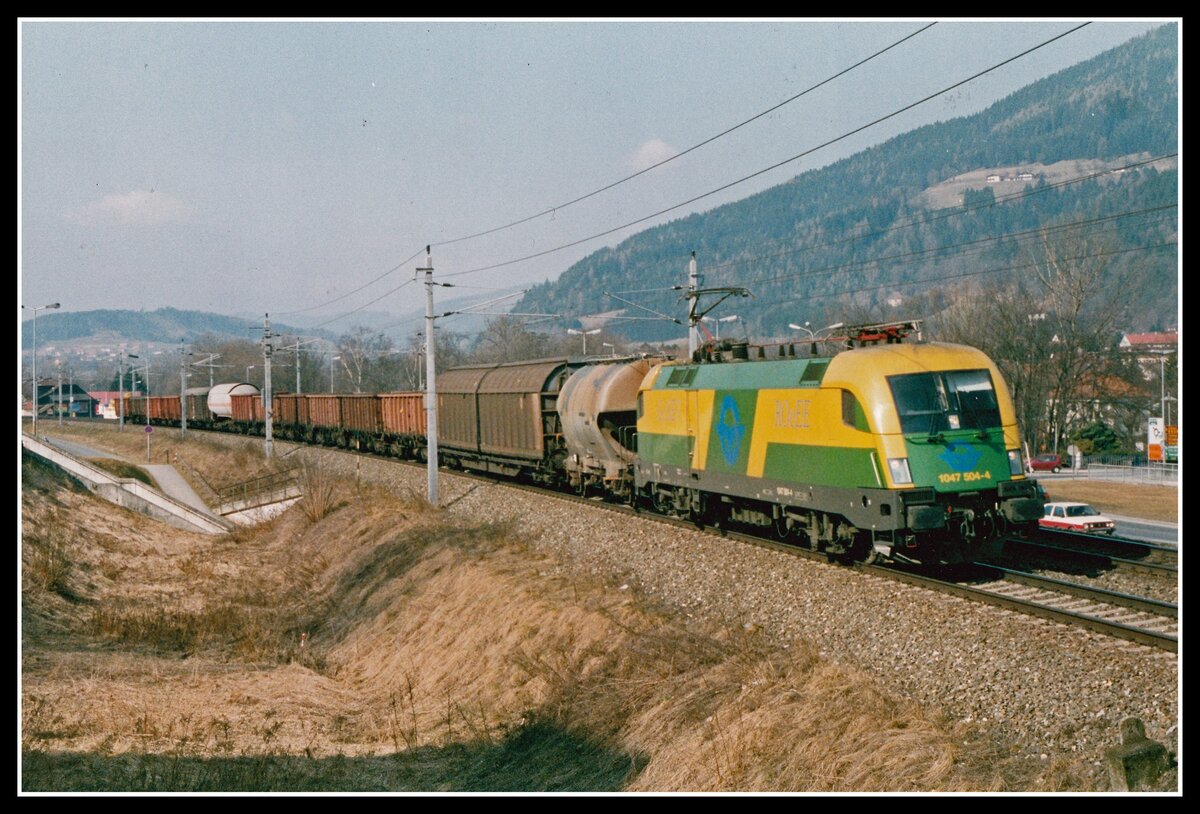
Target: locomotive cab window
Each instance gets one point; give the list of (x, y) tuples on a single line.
[(681, 377), (813, 373), (853, 414), (945, 401)]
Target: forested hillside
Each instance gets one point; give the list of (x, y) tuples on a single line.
[(860, 238), (161, 325)]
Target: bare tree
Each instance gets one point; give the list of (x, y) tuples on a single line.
[(1052, 334), (507, 339), (361, 350), (1073, 271)]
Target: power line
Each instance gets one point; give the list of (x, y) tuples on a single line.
[(361, 307), (392, 270), (990, 239), (776, 165), (912, 256), (961, 275), (921, 221), (694, 147)]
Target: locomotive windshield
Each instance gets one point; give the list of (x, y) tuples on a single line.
[(946, 400)]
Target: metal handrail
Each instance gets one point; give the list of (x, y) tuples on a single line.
[(262, 483)]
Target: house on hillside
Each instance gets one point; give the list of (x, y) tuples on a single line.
[(1151, 350), (1159, 342)]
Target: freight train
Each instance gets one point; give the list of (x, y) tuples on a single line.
[(883, 449)]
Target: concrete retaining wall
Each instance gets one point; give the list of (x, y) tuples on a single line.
[(127, 492)]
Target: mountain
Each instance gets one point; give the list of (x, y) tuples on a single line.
[(166, 325), (910, 222)]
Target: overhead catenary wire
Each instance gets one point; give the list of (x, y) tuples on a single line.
[(619, 181), (1025, 233), (917, 220), (777, 164), (361, 307), (559, 207), (927, 280), (977, 273), (925, 220), (392, 270), (977, 245)]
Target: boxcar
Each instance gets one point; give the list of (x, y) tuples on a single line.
[(504, 418)]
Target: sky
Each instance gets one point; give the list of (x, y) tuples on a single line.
[(250, 167)]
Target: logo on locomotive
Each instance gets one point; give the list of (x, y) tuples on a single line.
[(730, 430), (960, 457)]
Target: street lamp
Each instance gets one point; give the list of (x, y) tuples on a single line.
[(419, 350), (332, 359), (121, 385), (610, 345), (49, 307), (58, 407), (814, 336), (717, 322), (1162, 379), (585, 335)]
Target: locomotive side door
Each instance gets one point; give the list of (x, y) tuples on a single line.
[(691, 408)]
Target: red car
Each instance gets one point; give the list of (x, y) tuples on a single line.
[(1047, 462)]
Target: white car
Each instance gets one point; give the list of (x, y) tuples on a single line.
[(1076, 517)]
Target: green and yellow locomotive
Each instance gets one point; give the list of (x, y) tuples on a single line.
[(909, 451)]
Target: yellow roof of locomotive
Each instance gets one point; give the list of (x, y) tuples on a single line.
[(864, 371)]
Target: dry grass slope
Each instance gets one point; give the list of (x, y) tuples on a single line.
[(383, 645)]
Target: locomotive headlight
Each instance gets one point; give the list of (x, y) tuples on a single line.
[(1015, 467), (900, 472)]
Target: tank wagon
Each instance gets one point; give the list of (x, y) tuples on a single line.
[(220, 398), (598, 410)]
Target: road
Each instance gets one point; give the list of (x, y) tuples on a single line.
[(1148, 530)]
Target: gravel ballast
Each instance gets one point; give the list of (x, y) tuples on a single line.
[(1055, 690)]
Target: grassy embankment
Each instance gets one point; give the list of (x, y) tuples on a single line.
[(370, 643), (365, 642)]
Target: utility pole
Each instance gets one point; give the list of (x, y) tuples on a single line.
[(695, 313), (51, 306), (420, 370), (121, 385), (268, 442), (209, 362), (692, 286), (431, 384), (182, 390), (58, 364)]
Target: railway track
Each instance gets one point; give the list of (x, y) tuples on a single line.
[(1142, 620), (1158, 561), (1121, 547)]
